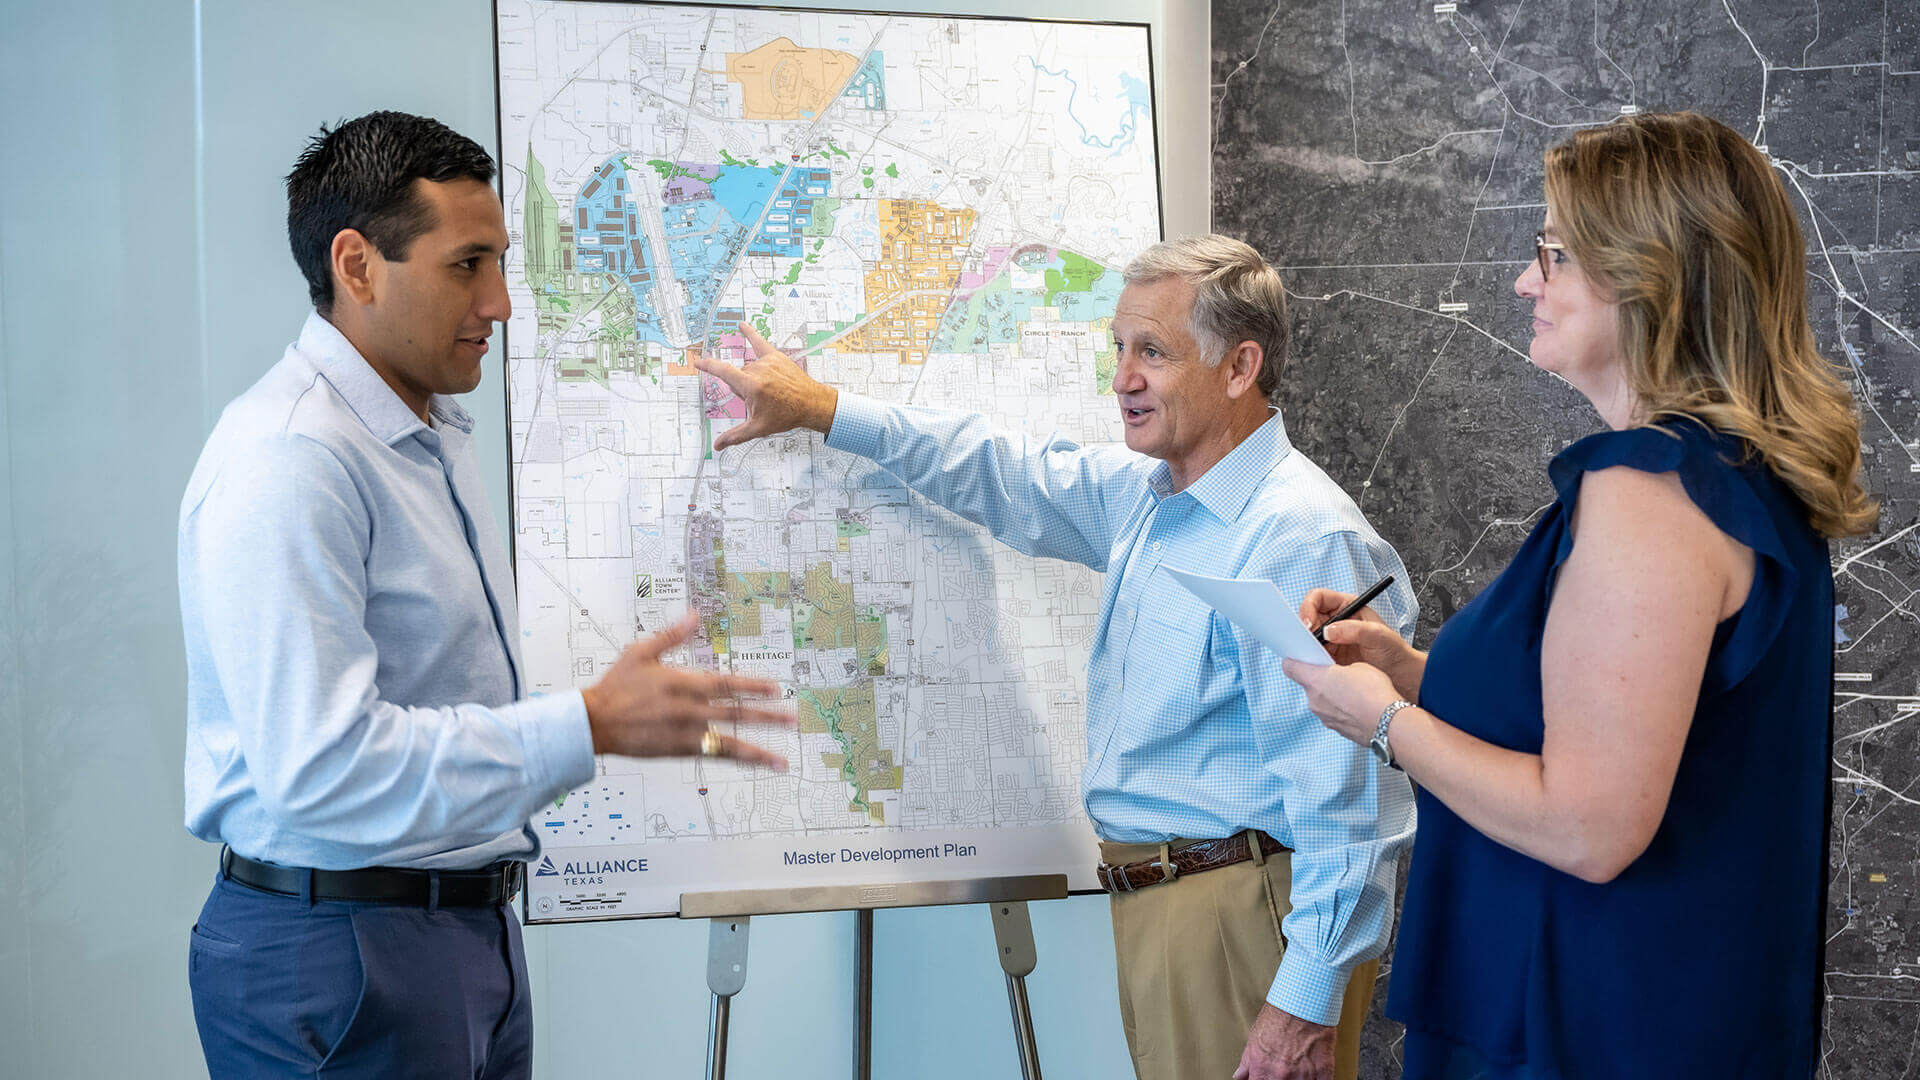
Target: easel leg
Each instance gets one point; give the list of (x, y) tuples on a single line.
[(1013, 934), (726, 975), (863, 994)]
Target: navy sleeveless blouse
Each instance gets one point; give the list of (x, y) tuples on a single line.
[(1702, 958)]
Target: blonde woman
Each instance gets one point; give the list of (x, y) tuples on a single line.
[(1621, 743)]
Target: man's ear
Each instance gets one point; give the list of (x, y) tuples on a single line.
[(353, 260), (1243, 363)]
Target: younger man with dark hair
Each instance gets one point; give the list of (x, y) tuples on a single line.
[(356, 732)]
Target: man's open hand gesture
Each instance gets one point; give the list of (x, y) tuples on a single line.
[(643, 708), (779, 395)]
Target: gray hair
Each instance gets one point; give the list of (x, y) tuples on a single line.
[(1236, 297)]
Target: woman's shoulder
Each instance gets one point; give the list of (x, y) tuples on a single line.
[(1680, 445), (1714, 470)]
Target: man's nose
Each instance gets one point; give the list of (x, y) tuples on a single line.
[(494, 304)]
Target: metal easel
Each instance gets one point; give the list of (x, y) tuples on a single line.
[(730, 914)]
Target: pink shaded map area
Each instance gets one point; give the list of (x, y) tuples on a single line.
[(717, 399)]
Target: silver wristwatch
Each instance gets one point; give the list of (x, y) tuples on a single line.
[(1380, 747)]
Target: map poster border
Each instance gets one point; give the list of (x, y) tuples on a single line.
[(617, 890)]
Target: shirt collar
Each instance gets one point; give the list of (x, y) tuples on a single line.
[(365, 392), (1225, 488)]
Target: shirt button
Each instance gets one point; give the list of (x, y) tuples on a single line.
[(1156, 545)]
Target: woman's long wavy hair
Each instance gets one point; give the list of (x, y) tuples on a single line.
[(1682, 221)]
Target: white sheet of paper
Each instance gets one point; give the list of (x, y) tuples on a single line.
[(1256, 605)]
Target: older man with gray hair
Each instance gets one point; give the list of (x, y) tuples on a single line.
[(1249, 851)]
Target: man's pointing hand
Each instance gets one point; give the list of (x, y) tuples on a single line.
[(779, 395)]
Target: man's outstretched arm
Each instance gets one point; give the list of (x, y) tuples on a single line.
[(1047, 497)]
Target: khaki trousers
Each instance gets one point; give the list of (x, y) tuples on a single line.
[(1197, 956)]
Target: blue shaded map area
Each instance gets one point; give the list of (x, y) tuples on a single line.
[(607, 240), (706, 237), (791, 213), (606, 227), (708, 219), (868, 86)]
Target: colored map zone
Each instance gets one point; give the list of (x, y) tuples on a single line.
[(868, 87), (707, 231), (606, 231), (849, 525), (563, 294), (748, 595), (848, 714), (789, 220), (731, 604), (823, 612), (783, 81), (922, 248), (1002, 298)]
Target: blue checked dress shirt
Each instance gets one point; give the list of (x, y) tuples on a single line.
[(352, 667), (1192, 730)]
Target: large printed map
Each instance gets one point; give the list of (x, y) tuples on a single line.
[(919, 210)]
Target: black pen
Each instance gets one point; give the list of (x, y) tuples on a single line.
[(1358, 602)]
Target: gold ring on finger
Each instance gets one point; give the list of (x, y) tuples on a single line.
[(711, 744)]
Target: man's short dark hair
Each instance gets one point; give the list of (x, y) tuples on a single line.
[(360, 176)]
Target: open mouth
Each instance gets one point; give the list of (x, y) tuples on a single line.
[(1135, 416), (479, 343)]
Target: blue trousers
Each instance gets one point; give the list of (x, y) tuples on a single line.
[(285, 987)]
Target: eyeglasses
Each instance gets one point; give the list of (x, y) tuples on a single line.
[(1540, 249)]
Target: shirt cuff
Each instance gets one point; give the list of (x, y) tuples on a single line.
[(553, 727), (857, 425), (1306, 988)]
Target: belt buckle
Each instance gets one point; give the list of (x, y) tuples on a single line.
[(515, 880)]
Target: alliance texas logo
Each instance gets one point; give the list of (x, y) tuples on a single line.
[(589, 871)]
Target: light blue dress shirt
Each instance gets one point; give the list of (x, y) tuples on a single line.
[(352, 670), (1192, 730)]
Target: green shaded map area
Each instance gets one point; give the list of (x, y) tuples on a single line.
[(870, 641), (1076, 274), (848, 714), (1078, 288)]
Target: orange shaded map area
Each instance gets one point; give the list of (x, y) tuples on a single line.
[(782, 81), (922, 246)]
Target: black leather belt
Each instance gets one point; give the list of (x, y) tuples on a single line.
[(495, 885)]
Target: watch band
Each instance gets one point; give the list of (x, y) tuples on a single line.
[(1383, 749)]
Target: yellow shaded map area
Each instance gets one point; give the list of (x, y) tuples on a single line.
[(823, 612), (782, 81), (922, 248)]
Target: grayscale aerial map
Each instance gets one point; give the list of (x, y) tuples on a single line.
[(1388, 158)]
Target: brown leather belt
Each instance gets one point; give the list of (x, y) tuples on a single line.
[(1190, 858)]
